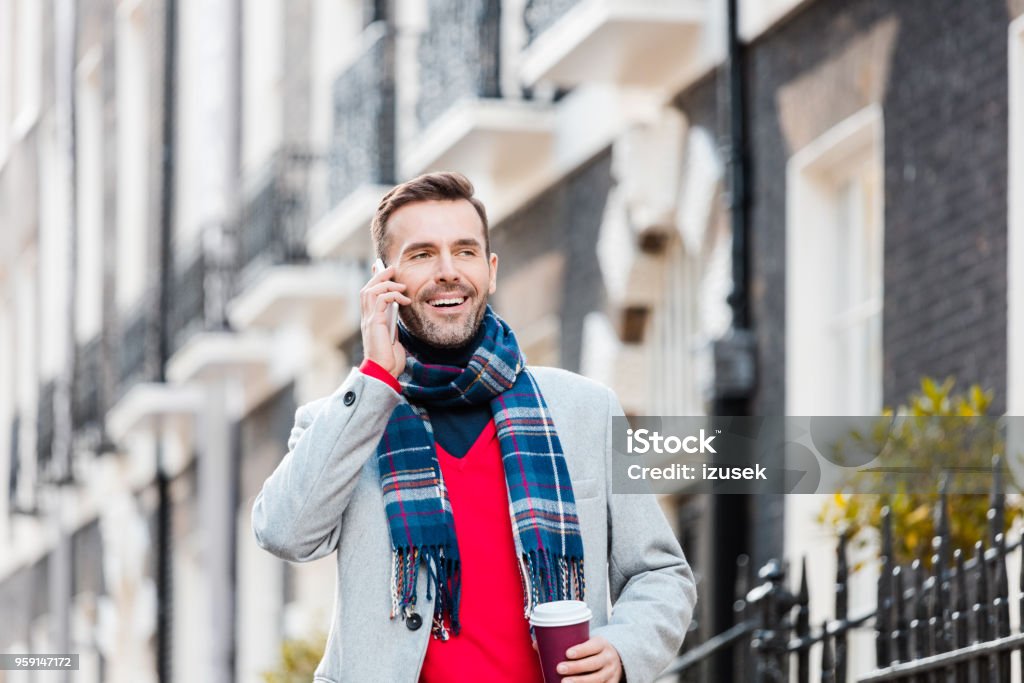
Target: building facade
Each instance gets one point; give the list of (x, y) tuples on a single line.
[(185, 195)]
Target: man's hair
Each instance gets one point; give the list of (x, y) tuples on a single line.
[(443, 186)]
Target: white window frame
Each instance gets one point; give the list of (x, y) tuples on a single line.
[(1015, 236), (811, 198), (811, 202)]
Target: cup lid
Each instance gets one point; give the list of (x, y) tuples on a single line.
[(560, 613)]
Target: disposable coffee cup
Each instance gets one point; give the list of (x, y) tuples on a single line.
[(558, 626)]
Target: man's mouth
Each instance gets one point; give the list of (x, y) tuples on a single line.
[(447, 302)]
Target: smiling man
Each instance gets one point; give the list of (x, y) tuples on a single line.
[(460, 487)]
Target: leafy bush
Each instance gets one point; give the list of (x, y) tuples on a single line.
[(299, 659), (929, 436)]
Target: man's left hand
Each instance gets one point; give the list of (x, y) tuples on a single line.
[(594, 661)]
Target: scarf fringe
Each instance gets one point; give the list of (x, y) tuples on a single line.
[(444, 586), (547, 577)]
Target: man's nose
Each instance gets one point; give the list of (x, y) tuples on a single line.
[(446, 271)]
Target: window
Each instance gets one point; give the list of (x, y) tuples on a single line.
[(1015, 275), (696, 280), (834, 275), (834, 272)]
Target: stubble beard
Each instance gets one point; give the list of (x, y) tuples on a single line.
[(440, 335)]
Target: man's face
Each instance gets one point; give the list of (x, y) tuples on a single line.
[(439, 254)]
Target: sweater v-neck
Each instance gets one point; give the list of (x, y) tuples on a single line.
[(485, 436)]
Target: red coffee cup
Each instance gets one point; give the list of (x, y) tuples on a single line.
[(558, 626)]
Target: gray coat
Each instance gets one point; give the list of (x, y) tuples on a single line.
[(325, 496)]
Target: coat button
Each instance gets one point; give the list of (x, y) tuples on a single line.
[(349, 398), (413, 621)]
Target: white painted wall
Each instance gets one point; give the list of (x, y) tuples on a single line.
[(1015, 276), (28, 61), (335, 30), (757, 16), (6, 412), (132, 154), (89, 172), (25, 369), (54, 251), (6, 59), (262, 76)]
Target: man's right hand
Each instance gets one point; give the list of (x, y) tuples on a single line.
[(375, 296)]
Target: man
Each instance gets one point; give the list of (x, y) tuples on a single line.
[(460, 487)]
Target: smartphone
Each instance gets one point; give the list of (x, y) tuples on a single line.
[(378, 266)]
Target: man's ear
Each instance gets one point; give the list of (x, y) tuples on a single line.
[(493, 267)]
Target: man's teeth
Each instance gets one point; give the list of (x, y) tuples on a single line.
[(447, 302)]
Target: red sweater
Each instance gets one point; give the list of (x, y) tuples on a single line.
[(494, 642)]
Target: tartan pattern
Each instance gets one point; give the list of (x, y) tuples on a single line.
[(542, 508)]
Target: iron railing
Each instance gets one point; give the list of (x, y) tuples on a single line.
[(271, 227), (187, 312), (947, 622), (458, 55), (45, 426), (86, 401), (131, 347), (363, 137)]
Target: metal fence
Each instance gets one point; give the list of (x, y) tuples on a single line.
[(949, 622)]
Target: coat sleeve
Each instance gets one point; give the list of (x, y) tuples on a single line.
[(297, 514), (653, 592)]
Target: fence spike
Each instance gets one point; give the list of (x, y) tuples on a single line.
[(981, 602), (997, 501), (960, 617), (827, 661), (883, 621), (936, 606), (900, 652), (742, 585), (842, 606), (803, 625), (919, 624)]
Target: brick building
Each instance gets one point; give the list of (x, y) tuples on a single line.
[(185, 191)]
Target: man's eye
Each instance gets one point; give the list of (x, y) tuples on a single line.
[(467, 252), (421, 254)]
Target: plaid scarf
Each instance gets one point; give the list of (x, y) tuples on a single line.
[(541, 503)]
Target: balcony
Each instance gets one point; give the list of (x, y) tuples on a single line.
[(138, 400), (45, 426), (276, 285), (645, 44), (86, 397), (199, 285), (361, 162), (466, 121), (271, 229), (133, 342)]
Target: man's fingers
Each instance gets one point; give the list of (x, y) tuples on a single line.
[(596, 677), (587, 665), (387, 297), (586, 648)]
